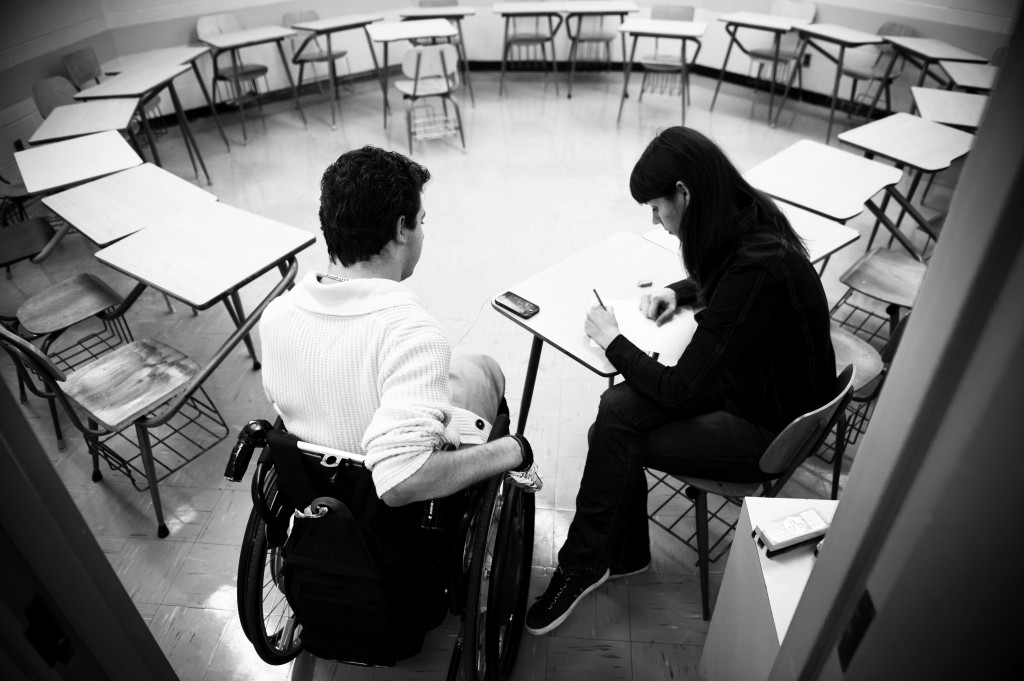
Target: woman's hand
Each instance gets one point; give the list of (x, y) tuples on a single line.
[(601, 325), (659, 305)]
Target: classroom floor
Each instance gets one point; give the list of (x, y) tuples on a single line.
[(542, 176)]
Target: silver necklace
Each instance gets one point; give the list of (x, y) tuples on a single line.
[(331, 276)]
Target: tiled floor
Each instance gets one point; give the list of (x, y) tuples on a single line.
[(542, 177)]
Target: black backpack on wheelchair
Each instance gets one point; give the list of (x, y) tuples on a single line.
[(327, 567)]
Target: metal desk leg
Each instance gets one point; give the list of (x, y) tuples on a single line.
[(504, 59), (531, 380), (332, 74), (209, 102), (380, 77), (465, 62), (684, 73), (835, 93), (384, 84), (775, 74), (234, 306), (149, 135), (238, 94), (721, 74), (789, 81), (291, 81), (625, 81), (187, 131)]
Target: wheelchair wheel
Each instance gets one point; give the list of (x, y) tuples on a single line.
[(498, 581), (267, 619)]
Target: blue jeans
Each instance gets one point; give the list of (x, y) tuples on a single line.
[(610, 526)]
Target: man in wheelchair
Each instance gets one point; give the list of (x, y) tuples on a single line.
[(352, 361)]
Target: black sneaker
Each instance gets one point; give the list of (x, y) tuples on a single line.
[(562, 595), (628, 570)]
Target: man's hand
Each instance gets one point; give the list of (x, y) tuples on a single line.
[(659, 305), (601, 325)]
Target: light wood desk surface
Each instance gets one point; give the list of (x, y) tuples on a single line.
[(85, 118), (440, 12), (249, 36), (390, 31), (115, 206), (71, 161), (134, 83), (823, 237), (184, 54), (206, 252), (592, 7), (763, 22), (663, 28), (911, 140), (339, 23), (959, 109), (564, 292), (932, 50), (823, 180), (969, 75)]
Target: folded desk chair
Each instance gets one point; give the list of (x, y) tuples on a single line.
[(526, 40), (310, 52), (799, 440)]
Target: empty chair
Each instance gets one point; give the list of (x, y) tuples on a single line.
[(764, 57), (880, 71), (871, 367), (790, 448), (310, 52), (456, 40), (52, 92), (590, 42), (237, 72), (526, 40), (434, 73), (881, 285), (663, 70)]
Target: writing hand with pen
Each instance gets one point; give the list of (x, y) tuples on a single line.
[(600, 324)]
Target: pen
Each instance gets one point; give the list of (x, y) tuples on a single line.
[(599, 301)]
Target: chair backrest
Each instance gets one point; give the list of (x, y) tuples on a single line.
[(794, 9), (52, 92), (83, 67), (433, 61), (805, 434), (29, 356), (896, 28), (672, 12), (291, 18), (215, 24)]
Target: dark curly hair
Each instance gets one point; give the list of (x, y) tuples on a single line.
[(362, 195)]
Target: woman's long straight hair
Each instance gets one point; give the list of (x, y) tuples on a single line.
[(711, 229)]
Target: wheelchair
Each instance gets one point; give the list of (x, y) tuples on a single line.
[(483, 538)]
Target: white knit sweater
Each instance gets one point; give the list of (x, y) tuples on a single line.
[(361, 366)]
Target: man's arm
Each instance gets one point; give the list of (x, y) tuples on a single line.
[(446, 472)]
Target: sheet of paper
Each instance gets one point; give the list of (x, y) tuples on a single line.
[(668, 340)]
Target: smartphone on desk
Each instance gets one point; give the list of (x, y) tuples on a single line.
[(517, 305)]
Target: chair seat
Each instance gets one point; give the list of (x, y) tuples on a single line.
[(316, 55), (130, 382), (428, 87), (851, 349), (656, 62), (596, 36), (887, 275), (67, 303), (768, 54), (23, 240), (244, 72), (870, 72), (528, 38), (722, 489)]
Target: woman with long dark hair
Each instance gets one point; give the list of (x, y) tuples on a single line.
[(761, 356)]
